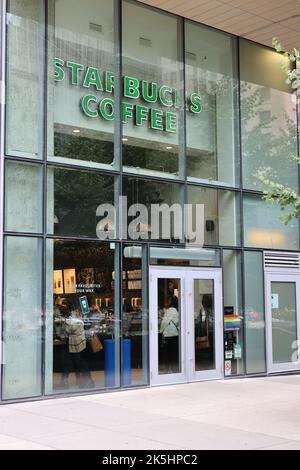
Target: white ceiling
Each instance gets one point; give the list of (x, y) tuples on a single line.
[(259, 20)]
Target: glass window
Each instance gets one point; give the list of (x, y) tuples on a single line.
[(254, 312), (135, 316), (169, 325), (154, 210), (268, 118), (233, 313), (204, 324), (83, 317), (284, 321), (221, 224), (152, 70), (22, 318), (23, 197), (81, 87), (25, 78), (263, 227), (74, 201), (210, 75)]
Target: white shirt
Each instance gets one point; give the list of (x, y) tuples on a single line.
[(169, 323)]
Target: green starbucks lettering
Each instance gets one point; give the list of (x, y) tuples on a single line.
[(161, 101)]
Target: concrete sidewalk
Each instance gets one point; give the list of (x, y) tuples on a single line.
[(249, 413)]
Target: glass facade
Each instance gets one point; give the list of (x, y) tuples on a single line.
[(268, 118), (234, 344), (22, 372), (254, 312), (83, 317), (81, 48), (263, 227), (154, 60), (212, 140), (130, 107)]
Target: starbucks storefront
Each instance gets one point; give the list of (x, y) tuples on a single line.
[(137, 249)]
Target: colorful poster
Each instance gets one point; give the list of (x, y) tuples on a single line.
[(58, 287), (70, 281), (232, 322)]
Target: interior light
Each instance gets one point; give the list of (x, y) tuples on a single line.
[(125, 139), (76, 131), (169, 147)]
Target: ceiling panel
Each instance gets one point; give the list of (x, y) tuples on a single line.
[(259, 20)]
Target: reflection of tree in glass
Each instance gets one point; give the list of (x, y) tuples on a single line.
[(265, 140), (84, 148), (77, 194), (277, 193)]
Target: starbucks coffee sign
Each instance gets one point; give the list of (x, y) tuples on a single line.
[(140, 97)]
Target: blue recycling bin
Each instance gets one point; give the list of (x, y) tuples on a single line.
[(109, 362), (126, 361)]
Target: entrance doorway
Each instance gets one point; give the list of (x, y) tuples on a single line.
[(186, 330), (282, 321)]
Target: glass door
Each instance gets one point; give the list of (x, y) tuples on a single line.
[(185, 325), (204, 308), (283, 323), (167, 326)]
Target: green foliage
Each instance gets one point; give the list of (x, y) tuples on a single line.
[(292, 73), (275, 193)]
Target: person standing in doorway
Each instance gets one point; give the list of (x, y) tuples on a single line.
[(169, 329)]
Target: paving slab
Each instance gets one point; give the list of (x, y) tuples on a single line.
[(251, 413)]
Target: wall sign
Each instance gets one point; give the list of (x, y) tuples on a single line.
[(275, 300), (140, 97), (227, 368), (237, 351), (84, 305)]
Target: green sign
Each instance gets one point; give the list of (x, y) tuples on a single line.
[(149, 93), (237, 351)]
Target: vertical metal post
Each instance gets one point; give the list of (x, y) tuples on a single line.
[(2, 153), (182, 113), (145, 314)]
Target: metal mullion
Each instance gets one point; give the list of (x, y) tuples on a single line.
[(44, 246), (252, 192), (8, 233), (145, 300), (13, 158), (182, 111), (118, 84), (298, 142), (2, 198), (244, 354), (118, 162), (214, 186), (56, 236), (153, 178), (71, 166)]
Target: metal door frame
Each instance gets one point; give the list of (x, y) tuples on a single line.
[(186, 276), (280, 277)]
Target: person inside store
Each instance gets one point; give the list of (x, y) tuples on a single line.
[(60, 339), (202, 322), (169, 329), (75, 359)]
